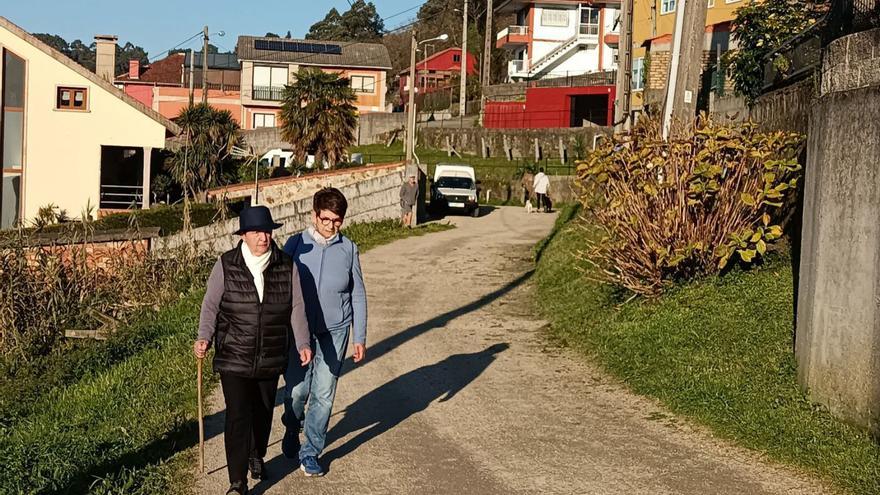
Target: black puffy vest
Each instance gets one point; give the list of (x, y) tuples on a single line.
[(253, 339)]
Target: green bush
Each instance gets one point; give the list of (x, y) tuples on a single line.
[(718, 350), (683, 208)]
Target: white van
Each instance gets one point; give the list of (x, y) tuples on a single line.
[(455, 188), (285, 158)]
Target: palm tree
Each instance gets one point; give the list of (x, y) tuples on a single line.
[(318, 115), (207, 137)]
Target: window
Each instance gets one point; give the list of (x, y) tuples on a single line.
[(269, 82), (72, 98), (264, 120), (667, 6), (731, 1), (13, 87), (456, 58), (363, 84), (710, 4), (589, 21), (554, 17), (638, 74)]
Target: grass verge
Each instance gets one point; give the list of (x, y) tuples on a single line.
[(718, 351), (120, 416)]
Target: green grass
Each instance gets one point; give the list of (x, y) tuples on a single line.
[(718, 351), (119, 416), (494, 168)]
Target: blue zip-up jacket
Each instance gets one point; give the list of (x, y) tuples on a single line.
[(332, 284)]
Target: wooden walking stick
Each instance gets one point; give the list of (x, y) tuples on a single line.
[(201, 420)]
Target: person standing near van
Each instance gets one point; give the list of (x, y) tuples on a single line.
[(409, 193), (336, 305)]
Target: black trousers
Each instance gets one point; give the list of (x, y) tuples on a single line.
[(249, 406), (544, 202)]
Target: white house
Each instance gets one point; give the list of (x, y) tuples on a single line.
[(70, 138), (559, 38)]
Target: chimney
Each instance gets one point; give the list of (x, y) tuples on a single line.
[(134, 69), (105, 57)]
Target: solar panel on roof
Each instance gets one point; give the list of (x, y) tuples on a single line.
[(297, 47)]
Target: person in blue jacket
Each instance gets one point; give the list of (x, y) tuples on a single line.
[(336, 306)]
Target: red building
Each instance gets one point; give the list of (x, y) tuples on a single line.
[(436, 72), (575, 101)]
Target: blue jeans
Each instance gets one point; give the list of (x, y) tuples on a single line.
[(315, 383)]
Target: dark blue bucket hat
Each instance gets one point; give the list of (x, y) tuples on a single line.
[(256, 219)]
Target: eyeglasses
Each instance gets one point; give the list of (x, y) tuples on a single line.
[(327, 221)]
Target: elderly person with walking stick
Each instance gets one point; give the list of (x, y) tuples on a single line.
[(336, 304), (253, 312)]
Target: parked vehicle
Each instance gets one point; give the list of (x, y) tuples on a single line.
[(285, 158), (455, 187)]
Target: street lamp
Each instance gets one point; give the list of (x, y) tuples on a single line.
[(411, 113)]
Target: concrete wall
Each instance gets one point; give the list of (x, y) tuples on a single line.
[(521, 141), (373, 199), (286, 189), (838, 318), (373, 127), (784, 109), (563, 189)]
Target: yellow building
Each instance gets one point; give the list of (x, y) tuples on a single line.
[(70, 138), (653, 26)]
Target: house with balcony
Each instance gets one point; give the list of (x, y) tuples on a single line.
[(436, 73), (653, 28), (164, 84), (559, 38), (69, 136), (268, 64)]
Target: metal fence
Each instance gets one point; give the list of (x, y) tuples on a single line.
[(851, 16)]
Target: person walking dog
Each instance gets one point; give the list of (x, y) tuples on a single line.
[(336, 303), (542, 184), (252, 312)]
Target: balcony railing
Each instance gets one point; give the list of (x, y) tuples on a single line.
[(517, 66), (588, 30), (269, 93), (121, 197), (512, 31)]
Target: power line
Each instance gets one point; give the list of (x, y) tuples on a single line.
[(179, 45)]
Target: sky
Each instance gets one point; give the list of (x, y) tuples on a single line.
[(159, 25)]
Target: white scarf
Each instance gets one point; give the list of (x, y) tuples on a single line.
[(256, 264), (321, 239)]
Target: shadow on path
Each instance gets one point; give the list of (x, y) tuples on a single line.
[(392, 403)]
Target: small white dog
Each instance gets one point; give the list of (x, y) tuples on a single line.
[(529, 207)]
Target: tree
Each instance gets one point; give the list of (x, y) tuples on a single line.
[(271, 35), (288, 36), (360, 23), (318, 115), (85, 54), (207, 137), (760, 28)]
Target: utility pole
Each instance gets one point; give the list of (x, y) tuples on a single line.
[(205, 68), (487, 50), (686, 65), (462, 92), (624, 68), (410, 108), (192, 58)]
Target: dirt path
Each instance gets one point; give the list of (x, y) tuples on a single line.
[(460, 394)]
